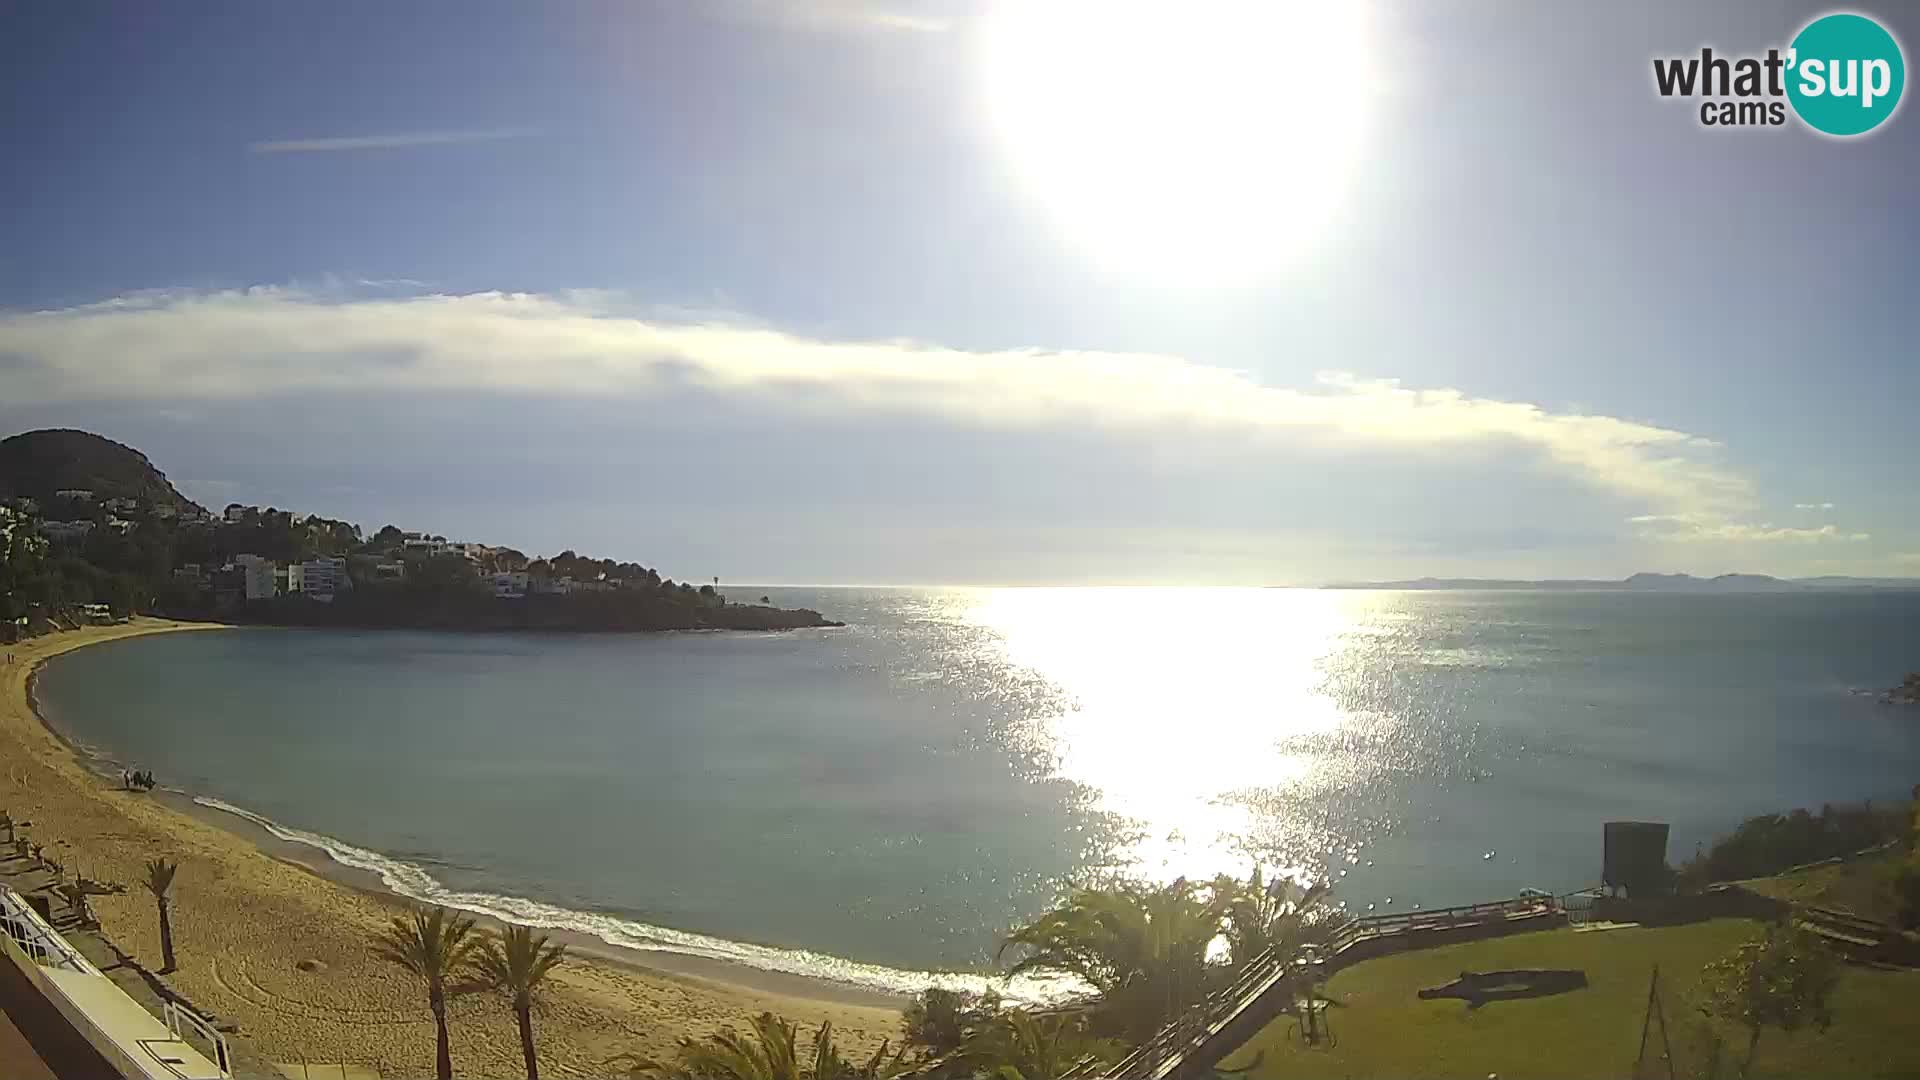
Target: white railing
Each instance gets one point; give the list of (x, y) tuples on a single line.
[(184, 1022), (35, 938)]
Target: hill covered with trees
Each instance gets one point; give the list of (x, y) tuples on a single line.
[(89, 529), (38, 465)]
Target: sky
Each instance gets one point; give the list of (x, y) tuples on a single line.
[(855, 291)]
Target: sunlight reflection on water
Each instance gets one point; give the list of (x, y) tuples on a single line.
[(1213, 770)]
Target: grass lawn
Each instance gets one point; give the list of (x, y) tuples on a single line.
[(1862, 886), (1384, 1030)]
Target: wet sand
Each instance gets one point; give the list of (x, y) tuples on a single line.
[(272, 936)]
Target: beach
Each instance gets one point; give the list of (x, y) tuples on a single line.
[(275, 942)]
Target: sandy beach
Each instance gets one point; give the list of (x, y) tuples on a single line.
[(276, 944)]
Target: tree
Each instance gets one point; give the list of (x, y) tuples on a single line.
[(771, 1052), (516, 965), (445, 571), (159, 879), (1142, 948), (1258, 914), (435, 945), (940, 1021), (1021, 1046), (1782, 980), (1149, 951)]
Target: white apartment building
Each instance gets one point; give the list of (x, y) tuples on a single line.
[(259, 576)]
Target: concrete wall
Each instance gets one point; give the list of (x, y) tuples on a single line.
[(30, 1004)]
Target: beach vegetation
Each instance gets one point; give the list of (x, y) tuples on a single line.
[(769, 1050), (516, 963), (1023, 1045), (939, 1021), (437, 946), (159, 881), (1150, 952)]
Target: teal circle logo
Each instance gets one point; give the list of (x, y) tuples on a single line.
[(1845, 74)]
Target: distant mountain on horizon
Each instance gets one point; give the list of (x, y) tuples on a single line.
[(1647, 582)]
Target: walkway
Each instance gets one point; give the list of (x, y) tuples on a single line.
[(1263, 990)]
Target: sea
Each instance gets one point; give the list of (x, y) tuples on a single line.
[(879, 803)]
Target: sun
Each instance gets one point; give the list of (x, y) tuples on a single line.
[(1194, 140)]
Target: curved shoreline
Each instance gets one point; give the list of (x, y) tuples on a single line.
[(249, 906)]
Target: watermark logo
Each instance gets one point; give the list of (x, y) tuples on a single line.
[(1842, 75)]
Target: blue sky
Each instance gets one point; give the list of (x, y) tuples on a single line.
[(832, 290)]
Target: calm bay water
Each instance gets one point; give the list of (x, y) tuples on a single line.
[(883, 800)]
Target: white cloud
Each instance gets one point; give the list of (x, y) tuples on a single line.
[(1705, 527), (401, 141), (1813, 506), (239, 344)]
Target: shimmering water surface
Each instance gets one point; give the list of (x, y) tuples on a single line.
[(885, 799)]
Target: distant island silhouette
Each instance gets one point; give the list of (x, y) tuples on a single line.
[(1647, 582)]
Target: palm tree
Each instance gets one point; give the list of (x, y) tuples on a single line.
[(516, 964), (1143, 949), (435, 945), (1257, 915), (159, 879), (770, 1053), (1021, 1046)]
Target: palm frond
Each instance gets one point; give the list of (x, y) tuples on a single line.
[(434, 944), (159, 877), (516, 962)]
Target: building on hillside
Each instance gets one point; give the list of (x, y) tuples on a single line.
[(510, 584), (421, 547), (296, 579), (66, 530), (258, 583), (76, 494), (389, 571), (229, 585), (121, 503), (236, 513), (97, 614), (164, 512), (322, 578), (593, 585), (119, 524)]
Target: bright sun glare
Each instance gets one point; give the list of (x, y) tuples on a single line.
[(1195, 140)]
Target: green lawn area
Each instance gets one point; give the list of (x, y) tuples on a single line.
[(1384, 1030), (1862, 886)]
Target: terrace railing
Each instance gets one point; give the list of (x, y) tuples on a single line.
[(37, 939)]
